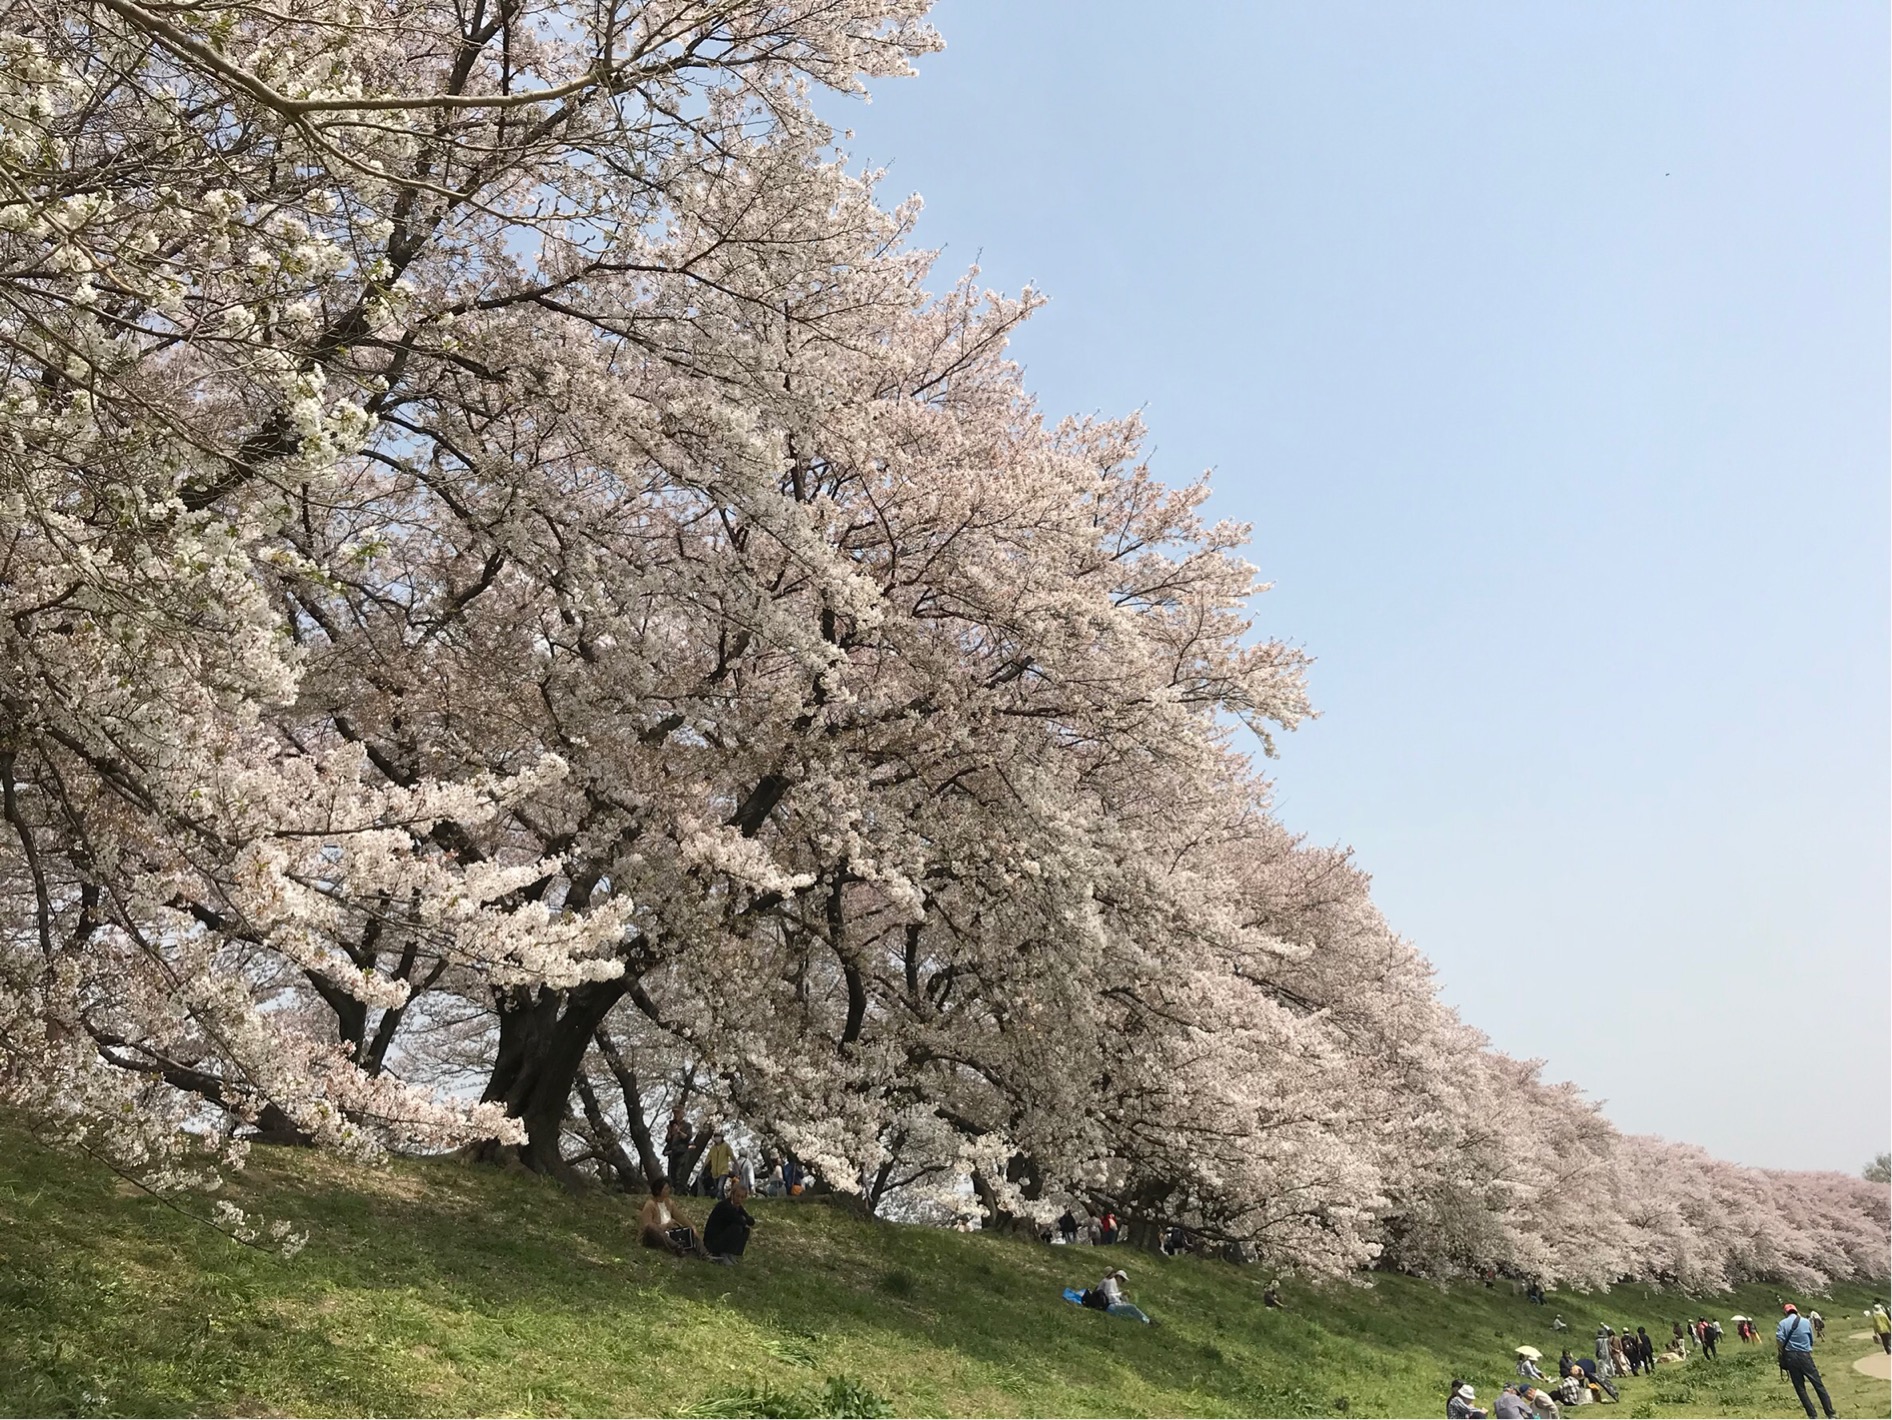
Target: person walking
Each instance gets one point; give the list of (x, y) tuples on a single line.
[(716, 1166), (1605, 1362), (1645, 1348), (1710, 1334), (1882, 1326), (1794, 1337)]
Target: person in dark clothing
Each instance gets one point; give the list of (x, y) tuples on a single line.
[(1646, 1348), (676, 1145), (1710, 1334), (1067, 1226), (726, 1233), (1795, 1339)]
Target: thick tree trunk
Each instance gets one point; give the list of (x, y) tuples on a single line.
[(1022, 1171), (543, 1037), (1146, 1233)]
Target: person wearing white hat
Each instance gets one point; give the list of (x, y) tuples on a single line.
[(1114, 1303), (1459, 1405)]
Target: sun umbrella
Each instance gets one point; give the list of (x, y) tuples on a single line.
[(1531, 1351), (1740, 1318)]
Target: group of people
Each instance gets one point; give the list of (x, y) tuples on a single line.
[(1514, 1402), (1579, 1380), (1102, 1231), (1582, 1380), (780, 1176), (725, 1233)]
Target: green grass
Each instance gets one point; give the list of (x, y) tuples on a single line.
[(439, 1288)]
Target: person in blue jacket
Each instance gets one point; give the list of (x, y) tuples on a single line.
[(1794, 1336)]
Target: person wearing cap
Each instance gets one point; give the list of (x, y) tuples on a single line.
[(1510, 1405), (1882, 1326), (1794, 1336), (1458, 1405), (1114, 1303), (1540, 1402)]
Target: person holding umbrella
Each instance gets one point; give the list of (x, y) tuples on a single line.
[(1528, 1357)]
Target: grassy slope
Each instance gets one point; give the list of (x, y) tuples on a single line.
[(437, 1288)]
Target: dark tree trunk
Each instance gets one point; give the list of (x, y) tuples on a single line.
[(1146, 1233), (652, 1166), (543, 1037)]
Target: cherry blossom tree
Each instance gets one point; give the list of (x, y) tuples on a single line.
[(517, 585)]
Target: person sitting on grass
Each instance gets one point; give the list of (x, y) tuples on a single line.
[(1527, 1369), (1110, 1292), (664, 1228), (1572, 1389), (1510, 1405), (1540, 1401), (1458, 1405), (726, 1233)]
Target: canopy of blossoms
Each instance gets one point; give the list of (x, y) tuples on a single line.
[(521, 606)]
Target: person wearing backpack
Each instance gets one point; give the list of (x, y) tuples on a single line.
[(1110, 1294), (1794, 1337)]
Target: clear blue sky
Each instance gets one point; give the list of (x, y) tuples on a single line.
[(1546, 348)]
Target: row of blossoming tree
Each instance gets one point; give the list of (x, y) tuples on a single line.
[(512, 589)]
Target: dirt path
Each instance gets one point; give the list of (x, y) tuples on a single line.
[(1878, 1365)]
